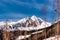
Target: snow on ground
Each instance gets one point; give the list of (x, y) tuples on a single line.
[(53, 38), (22, 37), (37, 32), (27, 36)]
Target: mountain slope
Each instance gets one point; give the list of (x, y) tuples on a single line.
[(28, 23)]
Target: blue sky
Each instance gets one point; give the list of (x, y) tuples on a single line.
[(17, 9)]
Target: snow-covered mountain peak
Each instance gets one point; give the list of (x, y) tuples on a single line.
[(34, 18), (28, 22), (22, 20)]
